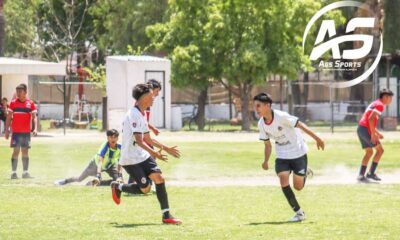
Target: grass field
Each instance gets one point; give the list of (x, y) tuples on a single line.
[(35, 209)]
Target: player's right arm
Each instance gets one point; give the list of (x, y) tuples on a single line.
[(374, 137), (267, 154), (99, 165), (8, 123)]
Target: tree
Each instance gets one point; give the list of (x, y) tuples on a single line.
[(184, 37), (65, 29), (120, 23), (20, 30), (391, 26)]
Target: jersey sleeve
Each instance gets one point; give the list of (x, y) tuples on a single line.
[(289, 120), (11, 107), (379, 108), (103, 150), (263, 135), (33, 107)]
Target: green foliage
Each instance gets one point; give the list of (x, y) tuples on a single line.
[(20, 28), (120, 23), (391, 26), (97, 74), (184, 37)]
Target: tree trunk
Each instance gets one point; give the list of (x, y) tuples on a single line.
[(301, 98), (245, 91), (201, 110)]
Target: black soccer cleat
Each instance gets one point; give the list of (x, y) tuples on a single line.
[(373, 177), (26, 175), (14, 176), (362, 179)]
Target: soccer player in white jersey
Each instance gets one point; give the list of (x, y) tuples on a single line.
[(138, 158), (291, 149)]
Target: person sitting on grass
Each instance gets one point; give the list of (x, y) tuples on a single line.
[(105, 160)]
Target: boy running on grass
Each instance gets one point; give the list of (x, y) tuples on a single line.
[(138, 158), (291, 149), (156, 87), (369, 136), (106, 160)]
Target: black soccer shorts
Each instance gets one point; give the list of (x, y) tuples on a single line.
[(297, 165), (141, 171)]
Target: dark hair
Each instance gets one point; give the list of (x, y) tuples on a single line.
[(385, 92), (140, 90), (154, 84), (263, 97), (112, 132), (4, 98), (22, 86)]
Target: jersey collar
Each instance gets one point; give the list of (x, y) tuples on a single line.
[(137, 107), (272, 112)]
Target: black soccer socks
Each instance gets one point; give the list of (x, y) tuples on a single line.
[(25, 163), (363, 169), (291, 198), (162, 197), (131, 188), (14, 164), (373, 168)]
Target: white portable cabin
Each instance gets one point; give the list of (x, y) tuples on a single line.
[(15, 71), (123, 73)]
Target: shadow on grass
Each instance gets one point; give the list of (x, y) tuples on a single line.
[(130, 195), (132, 225), (278, 223)]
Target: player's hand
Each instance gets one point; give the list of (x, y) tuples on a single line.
[(320, 144), (161, 156), (7, 135), (173, 151), (380, 136), (34, 133), (265, 165), (155, 131), (98, 176), (374, 139)]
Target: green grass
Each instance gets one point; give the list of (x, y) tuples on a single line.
[(334, 212), (34, 209)]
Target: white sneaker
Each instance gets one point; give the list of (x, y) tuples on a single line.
[(153, 188), (60, 182), (300, 216)]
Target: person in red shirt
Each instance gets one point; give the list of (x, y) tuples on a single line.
[(21, 112), (369, 136)]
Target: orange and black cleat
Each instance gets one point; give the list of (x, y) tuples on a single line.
[(116, 193)]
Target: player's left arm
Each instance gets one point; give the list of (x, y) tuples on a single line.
[(379, 134), (309, 132), (154, 129), (35, 123), (34, 117), (170, 150)]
